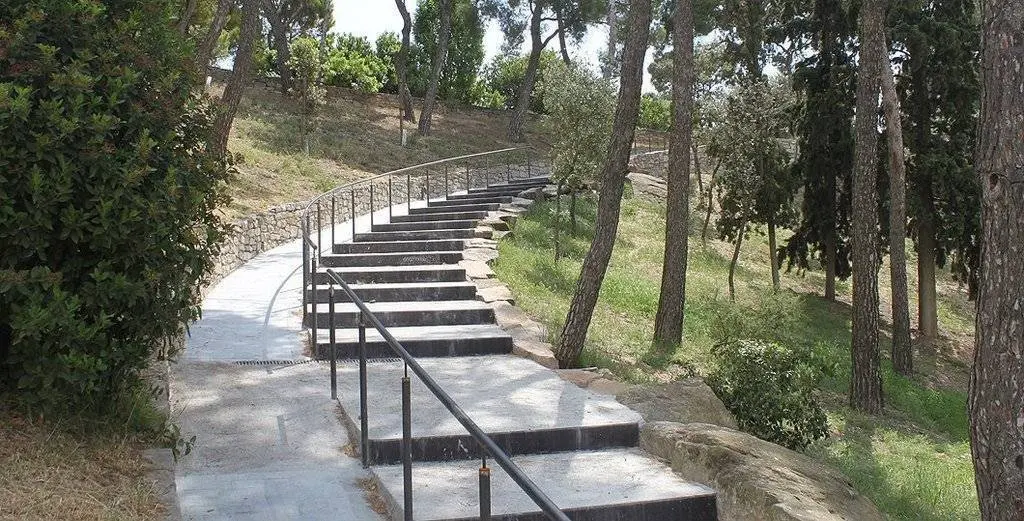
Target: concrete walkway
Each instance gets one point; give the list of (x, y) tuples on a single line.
[(269, 444)]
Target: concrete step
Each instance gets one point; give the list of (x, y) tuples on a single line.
[(507, 191), (526, 407), (606, 485), (482, 196), (389, 274), (482, 199), (400, 246), (403, 258), (420, 341), (446, 216), (400, 292), (408, 313), (449, 208), (524, 184), (416, 235), (423, 225)]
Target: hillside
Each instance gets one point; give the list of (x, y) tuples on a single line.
[(356, 136)]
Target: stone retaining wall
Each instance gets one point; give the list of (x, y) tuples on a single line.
[(652, 163), (255, 234)]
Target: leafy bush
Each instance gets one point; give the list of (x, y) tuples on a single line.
[(305, 61), (465, 50), (387, 46), (580, 123), (109, 197), (353, 63), (505, 75), (770, 390), (655, 113)]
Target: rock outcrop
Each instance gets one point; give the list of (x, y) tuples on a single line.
[(688, 400), (756, 480)]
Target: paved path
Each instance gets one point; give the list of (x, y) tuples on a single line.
[(268, 441)]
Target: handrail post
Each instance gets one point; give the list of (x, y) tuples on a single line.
[(407, 446), (467, 176), (319, 227), (334, 209), (487, 171), (371, 207), (364, 435), (485, 489), (312, 270), (334, 345), (446, 191), (305, 266), (428, 186), (352, 212), (408, 193), (390, 216)]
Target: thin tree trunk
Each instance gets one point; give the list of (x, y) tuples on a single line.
[(186, 17), (561, 40), (697, 174), (668, 322), (735, 261), (996, 397), (927, 310), (831, 258), (558, 220), (865, 378), (773, 256), (927, 298), (402, 65), (612, 40), (443, 35), (595, 264), (280, 37), (240, 74), (711, 202), (537, 44), (209, 43), (902, 351)]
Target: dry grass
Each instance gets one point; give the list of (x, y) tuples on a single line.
[(355, 136), (48, 473)]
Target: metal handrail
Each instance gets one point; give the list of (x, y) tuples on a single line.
[(492, 448)]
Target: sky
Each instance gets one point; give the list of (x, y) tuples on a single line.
[(369, 18)]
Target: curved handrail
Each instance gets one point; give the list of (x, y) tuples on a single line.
[(499, 455)]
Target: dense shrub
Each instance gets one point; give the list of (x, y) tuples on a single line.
[(504, 75), (770, 390), (655, 113), (108, 196), (353, 63)]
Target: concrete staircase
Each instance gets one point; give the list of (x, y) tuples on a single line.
[(579, 446)]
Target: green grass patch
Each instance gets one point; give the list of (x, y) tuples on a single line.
[(913, 460)]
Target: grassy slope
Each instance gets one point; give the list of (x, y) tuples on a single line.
[(913, 461), (355, 136)]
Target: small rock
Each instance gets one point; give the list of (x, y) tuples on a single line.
[(688, 400), (534, 194), (495, 294), (539, 352), (480, 254), (476, 269)]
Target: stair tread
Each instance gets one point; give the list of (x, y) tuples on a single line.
[(573, 480), (502, 393), (410, 306), (403, 334), (394, 253), (409, 267)]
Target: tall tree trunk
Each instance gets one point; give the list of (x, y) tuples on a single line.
[(773, 256), (996, 398), (668, 322), (612, 40), (186, 16), (595, 264), (561, 40), (240, 75), (865, 378), (537, 44), (280, 37), (902, 351), (443, 35), (711, 202), (205, 52), (927, 310), (402, 65), (735, 261)]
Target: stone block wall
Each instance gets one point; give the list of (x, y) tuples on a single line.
[(651, 163), (257, 233)]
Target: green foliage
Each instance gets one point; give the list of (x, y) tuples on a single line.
[(387, 46), (308, 68), (110, 198), (770, 390), (353, 63), (505, 74), (465, 50), (580, 123), (655, 113)]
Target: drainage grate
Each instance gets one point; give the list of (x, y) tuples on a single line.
[(274, 362)]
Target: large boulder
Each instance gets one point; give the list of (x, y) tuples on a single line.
[(648, 185), (688, 400), (756, 480)]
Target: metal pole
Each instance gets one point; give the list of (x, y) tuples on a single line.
[(334, 208), (313, 272), (446, 192), (319, 227), (364, 438), (408, 193), (371, 206), (304, 224), (334, 352), (487, 170), (467, 176), (352, 213), (390, 217), (485, 490), (428, 186), (407, 445)]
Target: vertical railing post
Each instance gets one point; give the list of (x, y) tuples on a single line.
[(487, 170), (319, 227), (334, 352), (485, 489), (428, 186), (364, 435), (371, 206), (446, 191), (312, 270), (467, 176), (407, 445), (352, 213), (408, 193), (304, 224), (334, 208), (390, 217)]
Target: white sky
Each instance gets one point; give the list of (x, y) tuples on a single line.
[(369, 18)]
